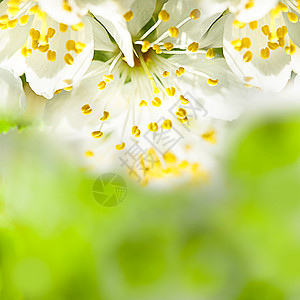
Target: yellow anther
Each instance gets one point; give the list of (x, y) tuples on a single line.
[(168, 46), (63, 27), (273, 46), (193, 47), (173, 32), (68, 88), (180, 72), (135, 131), (184, 120), (13, 11), (50, 32), (253, 25), (43, 48), (146, 46), (273, 37), (164, 16), (167, 124), (12, 24), (165, 74), (143, 103), (35, 45), (290, 49), (24, 20), (120, 146), (157, 49), (26, 52), (156, 90), (153, 127), (89, 153), (213, 82), (79, 46), (238, 24), (209, 136), (195, 14), (70, 45), (156, 102), (265, 53), (247, 56), (78, 26), (66, 6), (293, 17), (4, 18), (69, 60), (249, 4), (86, 109), (171, 91), (210, 53), (101, 85), (51, 55), (283, 7), (246, 42), (97, 134), (3, 26), (33, 10), (281, 42), (128, 16), (183, 100), (108, 78), (265, 30), (181, 113), (105, 116), (236, 43)]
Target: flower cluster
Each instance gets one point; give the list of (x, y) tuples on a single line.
[(152, 86)]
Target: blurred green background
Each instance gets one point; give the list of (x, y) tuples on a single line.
[(240, 241)]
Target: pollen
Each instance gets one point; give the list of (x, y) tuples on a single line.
[(180, 72), (293, 17), (86, 109), (66, 6), (105, 116), (120, 147), (50, 32), (153, 127), (171, 91), (210, 53), (183, 100), (135, 131), (146, 46), (89, 153), (157, 49), (164, 16), (213, 82), (193, 47), (156, 102), (273, 46), (24, 20), (173, 32), (265, 30), (246, 42), (165, 74), (97, 134), (128, 16), (247, 56), (143, 103), (253, 25), (108, 78), (209, 136), (63, 27), (238, 24), (181, 113), (69, 60), (195, 14), (51, 55), (101, 85), (78, 26), (168, 46), (70, 45), (265, 53), (167, 124)]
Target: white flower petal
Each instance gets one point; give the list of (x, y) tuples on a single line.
[(271, 74), (44, 76), (12, 100)]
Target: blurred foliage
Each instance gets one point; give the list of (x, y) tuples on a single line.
[(240, 241)]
